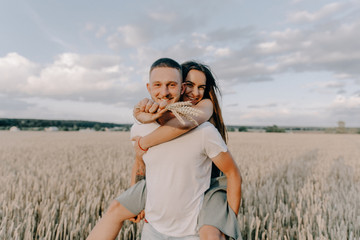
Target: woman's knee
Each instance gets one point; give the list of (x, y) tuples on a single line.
[(114, 206), (208, 232), (117, 210)]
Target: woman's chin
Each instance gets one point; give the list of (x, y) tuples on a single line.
[(193, 102)]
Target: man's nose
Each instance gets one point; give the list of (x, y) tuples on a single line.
[(164, 91)]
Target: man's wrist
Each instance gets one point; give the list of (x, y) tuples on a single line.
[(141, 146)]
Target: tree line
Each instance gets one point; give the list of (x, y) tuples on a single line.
[(62, 125)]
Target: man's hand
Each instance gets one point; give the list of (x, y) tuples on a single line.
[(138, 217), (147, 110)]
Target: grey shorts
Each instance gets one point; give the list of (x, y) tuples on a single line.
[(215, 210), (134, 198)]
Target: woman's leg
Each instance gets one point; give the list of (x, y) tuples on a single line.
[(216, 218), (110, 224), (208, 232)]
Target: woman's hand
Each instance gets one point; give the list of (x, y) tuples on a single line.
[(147, 110), (138, 218)]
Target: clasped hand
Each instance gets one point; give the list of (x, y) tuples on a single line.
[(147, 110), (138, 218)]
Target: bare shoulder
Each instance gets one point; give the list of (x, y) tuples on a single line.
[(204, 103)]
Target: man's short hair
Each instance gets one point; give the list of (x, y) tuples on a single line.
[(166, 62)]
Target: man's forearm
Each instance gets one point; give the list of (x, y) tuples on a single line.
[(138, 172)]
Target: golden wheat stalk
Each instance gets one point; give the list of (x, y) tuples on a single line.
[(183, 110)]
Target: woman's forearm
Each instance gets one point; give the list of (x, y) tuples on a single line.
[(162, 134), (234, 191), (174, 128), (225, 162)]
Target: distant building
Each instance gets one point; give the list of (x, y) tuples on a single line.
[(51, 129), (87, 130), (122, 129), (14, 129)]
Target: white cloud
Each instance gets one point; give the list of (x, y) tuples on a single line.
[(343, 76), (167, 17), (101, 31), (128, 36), (98, 30), (305, 16), (279, 115), (343, 102), (217, 52), (89, 27), (14, 71), (268, 47), (222, 52), (346, 109), (71, 77), (239, 55), (326, 87), (132, 35), (75, 110), (342, 108)]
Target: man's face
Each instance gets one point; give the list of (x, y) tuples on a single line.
[(165, 84)]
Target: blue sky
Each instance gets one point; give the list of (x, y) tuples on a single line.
[(289, 63)]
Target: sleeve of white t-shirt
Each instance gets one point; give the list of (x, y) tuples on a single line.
[(213, 142), (142, 129), (134, 131)]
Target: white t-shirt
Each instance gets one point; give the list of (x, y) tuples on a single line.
[(177, 175)]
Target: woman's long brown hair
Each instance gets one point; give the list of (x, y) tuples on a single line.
[(211, 92)]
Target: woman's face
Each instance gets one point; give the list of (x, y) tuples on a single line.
[(195, 85)]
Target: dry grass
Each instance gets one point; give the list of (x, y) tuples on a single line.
[(55, 185)]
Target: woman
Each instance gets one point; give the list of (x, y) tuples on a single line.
[(201, 91)]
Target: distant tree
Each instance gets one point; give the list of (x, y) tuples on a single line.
[(341, 127), (230, 129), (97, 127), (274, 128), (243, 129)]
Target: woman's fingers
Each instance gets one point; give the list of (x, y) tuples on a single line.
[(138, 218)]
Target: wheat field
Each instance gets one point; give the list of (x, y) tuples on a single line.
[(56, 185)]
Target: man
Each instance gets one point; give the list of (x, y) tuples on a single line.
[(178, 171)]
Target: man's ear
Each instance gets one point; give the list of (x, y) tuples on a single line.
[(148, 87), (183, 88)]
